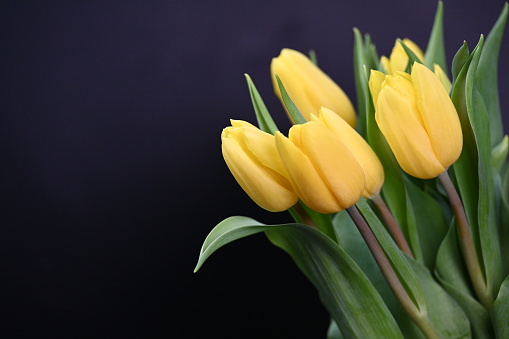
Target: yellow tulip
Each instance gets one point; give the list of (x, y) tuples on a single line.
[(373, 169), (418, 119), (309, 87), (322, 170), (251, 156), (399, 59)]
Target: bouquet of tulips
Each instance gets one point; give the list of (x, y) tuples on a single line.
[(402, 209)]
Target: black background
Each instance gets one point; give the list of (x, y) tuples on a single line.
[(111, 169)]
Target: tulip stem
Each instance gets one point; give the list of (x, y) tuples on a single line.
[(467, 243), (390, 275), (392, 225)]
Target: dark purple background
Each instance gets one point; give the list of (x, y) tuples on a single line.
[(111, 169)]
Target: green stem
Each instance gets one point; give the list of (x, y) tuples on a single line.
[(466, 241), (390, 275), (392, 225)]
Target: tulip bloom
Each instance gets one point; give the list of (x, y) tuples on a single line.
[(418, 119), (373, 169), (251, 156), (322, 170), (399, 59), (309, 87)]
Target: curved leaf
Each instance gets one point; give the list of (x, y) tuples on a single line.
[(487, 76), (346, 292), (293, 111), (451, 272), (265, 121), (435, 52)]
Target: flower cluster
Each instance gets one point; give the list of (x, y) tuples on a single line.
[(381, 175)]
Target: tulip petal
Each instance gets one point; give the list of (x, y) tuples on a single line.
[(373, 169), (376, 79), (337, 166), (306, 182), (439, 115), (263, 147), (261, 184), (397, 120)]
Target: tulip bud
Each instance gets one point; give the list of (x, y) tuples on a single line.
[(322, 170), (367, 158), (418, 119), (309, 87), (399, 59), (251, 156)]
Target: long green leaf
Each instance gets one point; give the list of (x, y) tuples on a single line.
[(346, 292), (487, 76), (474, 173), (451, 273), (460, 58), (444, 313), (488, 229), (431, 225), (265, 121), (290, 106), (359, 61), (435, 52)]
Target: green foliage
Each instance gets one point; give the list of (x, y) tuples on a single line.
[(435, 52)]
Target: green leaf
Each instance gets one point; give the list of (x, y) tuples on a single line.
[(265, 121), (228, 230), (451, 273), (460, 58), (488, 229), (361, 81), (447, 317), (290, 106), (450, 266), (435, 52), (487, 76), (503, 220), (473, 171), (501, 310), (499, 153), (411, 56), (431, 225), (350, 298)]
